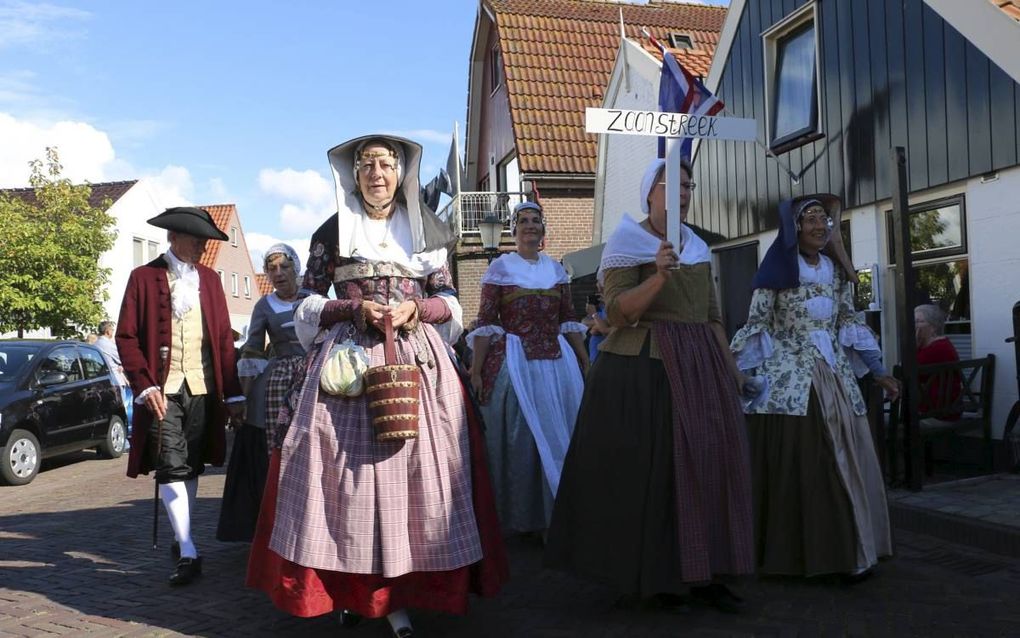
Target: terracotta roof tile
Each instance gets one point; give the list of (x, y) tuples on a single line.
[(221, 214), (558, 55), (1009, 7), (101, 191), (263, 284)]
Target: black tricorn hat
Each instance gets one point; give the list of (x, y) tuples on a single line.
[(189, 221)]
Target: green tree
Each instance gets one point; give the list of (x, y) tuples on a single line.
[(50, 250)]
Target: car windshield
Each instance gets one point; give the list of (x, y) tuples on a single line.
[(13, 359)]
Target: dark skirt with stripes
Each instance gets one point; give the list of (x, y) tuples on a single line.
[(653, 496)]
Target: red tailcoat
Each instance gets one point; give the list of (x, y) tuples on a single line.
[(144, 326)]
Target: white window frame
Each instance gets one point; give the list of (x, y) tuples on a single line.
[(247, 287), (233, 283), (771, 39), (138, 251), (678, 40), (223, 279), (233, 235), (933, 257), (496, 67)]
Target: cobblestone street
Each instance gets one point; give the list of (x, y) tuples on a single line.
[(75, 559)]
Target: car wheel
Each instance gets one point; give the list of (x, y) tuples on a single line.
[(116, 438), (20, 458)]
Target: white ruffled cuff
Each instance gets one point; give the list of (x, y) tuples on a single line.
[(756, 350), (251, 367), (572, 326), (452, 329), (306, 319), (483, 331), (858, 337), (856, 340)]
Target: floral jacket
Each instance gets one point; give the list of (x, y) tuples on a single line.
[(787, 330)]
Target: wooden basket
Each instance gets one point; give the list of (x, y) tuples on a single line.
[(392, 391)]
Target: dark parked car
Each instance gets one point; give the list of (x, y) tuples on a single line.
[(55, 397)]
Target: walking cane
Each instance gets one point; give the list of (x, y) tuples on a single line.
[(164, 354)]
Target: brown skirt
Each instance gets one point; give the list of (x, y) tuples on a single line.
[(805, 523)]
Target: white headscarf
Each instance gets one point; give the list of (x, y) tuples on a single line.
[(428, 239), (287, 251), (649, 180)]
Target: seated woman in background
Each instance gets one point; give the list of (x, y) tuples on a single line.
[(933, 347)]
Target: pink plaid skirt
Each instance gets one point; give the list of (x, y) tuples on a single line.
[(347, 503)]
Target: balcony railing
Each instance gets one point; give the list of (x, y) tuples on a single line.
[(465, 210)]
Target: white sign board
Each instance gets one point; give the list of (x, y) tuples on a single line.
[(660, 124)]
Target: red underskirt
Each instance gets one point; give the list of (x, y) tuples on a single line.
[(304, 591)]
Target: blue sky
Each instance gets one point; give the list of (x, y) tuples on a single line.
[(228, 102)]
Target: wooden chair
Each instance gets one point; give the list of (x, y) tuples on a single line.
[(954, 398)]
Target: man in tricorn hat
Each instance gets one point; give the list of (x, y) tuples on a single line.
[(187, 392)]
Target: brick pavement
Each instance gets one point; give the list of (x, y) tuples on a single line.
[(75, 560)]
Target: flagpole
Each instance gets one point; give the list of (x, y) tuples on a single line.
[(456, 142), (623, 52), (458, 198)]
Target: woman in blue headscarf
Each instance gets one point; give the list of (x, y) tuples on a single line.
[(819, 497)]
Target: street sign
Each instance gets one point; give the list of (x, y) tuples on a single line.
[(660, 124)]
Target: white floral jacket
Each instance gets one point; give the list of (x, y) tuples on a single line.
[(787, 330)]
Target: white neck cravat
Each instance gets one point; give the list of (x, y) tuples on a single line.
[(183, 285)]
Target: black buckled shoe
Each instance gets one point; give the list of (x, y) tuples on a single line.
[(856, 577), (187, 570), (404, 632), (718, 596)]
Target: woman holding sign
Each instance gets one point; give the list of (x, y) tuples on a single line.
[(655, 493)]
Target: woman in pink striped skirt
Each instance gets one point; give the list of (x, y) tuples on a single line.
[(349, 523)]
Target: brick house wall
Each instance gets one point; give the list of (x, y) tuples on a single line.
[(568, 216), (568, 221), (469, 276)]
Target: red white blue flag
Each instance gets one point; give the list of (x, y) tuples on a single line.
[(681, 92)]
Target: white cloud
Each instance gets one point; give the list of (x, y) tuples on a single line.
[(85, 152), (308, 187), (173, 186), (303, 219), (24, 23), (258, 243), (308, 197)]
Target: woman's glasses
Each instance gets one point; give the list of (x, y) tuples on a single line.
[(687, 186), (385, 165)]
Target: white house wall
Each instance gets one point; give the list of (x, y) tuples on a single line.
[(993, 229), (131, 211)]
